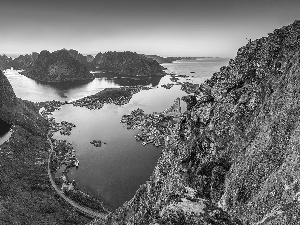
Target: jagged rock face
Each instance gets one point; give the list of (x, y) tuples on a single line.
[(128, 64), (239, 145), (19, 112), (58, 66)]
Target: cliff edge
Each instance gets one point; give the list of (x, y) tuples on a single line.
[(236, 158)]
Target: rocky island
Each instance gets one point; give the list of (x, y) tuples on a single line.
[(58, 66), (127, 64)]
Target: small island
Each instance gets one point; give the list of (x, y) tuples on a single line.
[(58, 66)]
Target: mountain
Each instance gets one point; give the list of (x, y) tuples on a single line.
[(58, 66), (238, 148), (127, 64)]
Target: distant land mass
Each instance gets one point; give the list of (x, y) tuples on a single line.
[(161, 59), (70, 65)]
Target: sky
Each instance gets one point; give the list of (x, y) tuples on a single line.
[(164, 27)]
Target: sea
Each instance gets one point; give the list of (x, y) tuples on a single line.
[(114, 171)]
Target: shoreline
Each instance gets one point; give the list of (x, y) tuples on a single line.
[(69, 188)]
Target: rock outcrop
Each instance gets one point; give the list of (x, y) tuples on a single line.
[(58, 66), (238, 149), (127, 64)]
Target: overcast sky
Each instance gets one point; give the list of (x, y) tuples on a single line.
[(164, 27)]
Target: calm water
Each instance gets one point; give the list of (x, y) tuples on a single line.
[(115, 170)]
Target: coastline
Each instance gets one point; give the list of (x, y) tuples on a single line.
[(76, 197)]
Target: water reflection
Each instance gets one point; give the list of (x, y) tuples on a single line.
[(129, 81), (32, 90)]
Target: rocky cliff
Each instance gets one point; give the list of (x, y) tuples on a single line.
[(236, 159), (58, 66), (19, 112), (127, 64)]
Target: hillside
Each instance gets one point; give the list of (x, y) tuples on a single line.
[(25, 190), (238, 150), (58, 66), (127, 64)]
